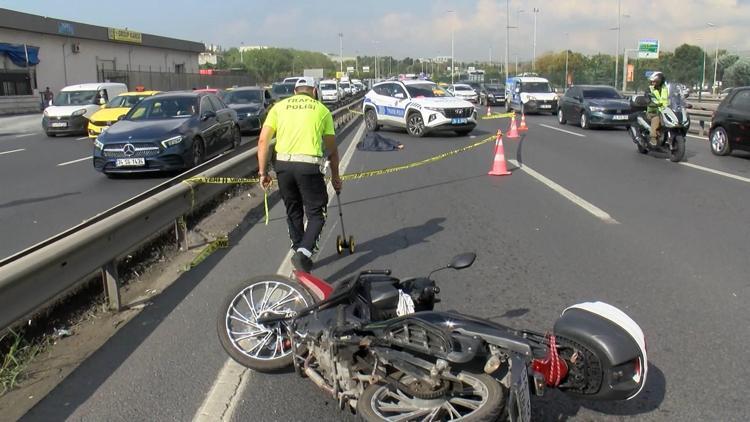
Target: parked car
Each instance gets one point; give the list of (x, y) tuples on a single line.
[(251, 104), (114, 109), (464, 92), (418, 106), (595, 105), (530, 94), (730, 124), (75, 104), (330, 92), (171, 131), (492, 94), (279, 91)]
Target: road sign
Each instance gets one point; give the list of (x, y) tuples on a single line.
[(648, 49), (350, 68), (366, 69)]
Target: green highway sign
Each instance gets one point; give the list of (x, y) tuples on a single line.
[(648, 49)]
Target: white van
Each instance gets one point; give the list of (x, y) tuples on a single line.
[(330, 91), (74, 105)]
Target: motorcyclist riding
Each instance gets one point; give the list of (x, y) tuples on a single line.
[(658, 94)]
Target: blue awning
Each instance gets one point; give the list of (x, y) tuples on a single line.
[(17, 54)]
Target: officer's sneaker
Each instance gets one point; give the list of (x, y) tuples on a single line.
[(300, 262)]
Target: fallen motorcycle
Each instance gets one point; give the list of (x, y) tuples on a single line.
[(374, 343)]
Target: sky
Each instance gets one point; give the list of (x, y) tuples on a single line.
[(419, 28)]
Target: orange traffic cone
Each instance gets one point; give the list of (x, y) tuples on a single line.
[(523, 127), (489, 111), (513, 130), (499, 168)]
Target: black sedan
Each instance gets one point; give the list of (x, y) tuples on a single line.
[(251, 104), (171, 131), (492, 94), (595, 105), (730, 125)]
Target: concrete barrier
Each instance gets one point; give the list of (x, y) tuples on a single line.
[(19, 104)]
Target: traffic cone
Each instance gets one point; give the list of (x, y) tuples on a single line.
[(523, 127), (499, 168), (513, 130), (489, 111)]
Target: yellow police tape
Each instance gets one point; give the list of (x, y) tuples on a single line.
[(220, 243), (499, 115), (357, 112), (197, 180)]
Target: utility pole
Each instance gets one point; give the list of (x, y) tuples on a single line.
[(567, 51), (341, 50), (453, 63), (617, 52), (507, 37), (716, 58), (533, 61)]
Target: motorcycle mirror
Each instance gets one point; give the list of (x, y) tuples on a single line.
[(462, 261)]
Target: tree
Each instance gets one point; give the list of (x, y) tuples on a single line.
[(686, 65), (738, 74), (725, 61)]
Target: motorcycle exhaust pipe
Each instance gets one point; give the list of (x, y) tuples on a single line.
[(317, 379)]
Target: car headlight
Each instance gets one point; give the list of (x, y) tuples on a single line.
[(77, 113), (439, 110), (490, 96), (171, 141), (98, 145), (596, 109)]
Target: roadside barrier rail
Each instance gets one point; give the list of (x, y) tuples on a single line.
[(38, 276)]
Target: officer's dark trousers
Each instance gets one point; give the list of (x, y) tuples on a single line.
[(303, 190)]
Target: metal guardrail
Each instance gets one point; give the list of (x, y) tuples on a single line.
[(35, 278)]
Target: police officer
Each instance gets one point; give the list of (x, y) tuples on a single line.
[(658, 100), (304, 130)]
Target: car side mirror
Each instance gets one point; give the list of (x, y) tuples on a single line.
[(120, 117), (399, 95), (462, 261), (208, 115)]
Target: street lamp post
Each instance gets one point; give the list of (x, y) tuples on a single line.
[(507, 37), (617, 51), (242, 44), (453, 30), (533, 60), (716, 58), (567, 51), (341, 51)]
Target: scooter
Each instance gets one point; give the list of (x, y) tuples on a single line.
[(675, 122)]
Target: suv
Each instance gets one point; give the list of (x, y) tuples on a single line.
[(418, 106), (530, 94), (492, 94), (730, 124)]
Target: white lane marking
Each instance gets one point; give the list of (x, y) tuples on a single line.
[(718, 172), (23, 135), (74, 161), (12, 151), (561, 130), (591, 208), (703, 138), (233, 378), (82, 138)]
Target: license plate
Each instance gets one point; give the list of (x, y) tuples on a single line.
[(459, 121), (620, 117), (130, 162), (545, 106), (59, 124)]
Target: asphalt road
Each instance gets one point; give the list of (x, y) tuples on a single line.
[(50, 185), (673, 255)]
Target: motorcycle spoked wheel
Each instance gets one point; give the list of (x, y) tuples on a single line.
[(471, 398), (256, 346), (677, 151)]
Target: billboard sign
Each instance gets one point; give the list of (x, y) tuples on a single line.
[(366, 69), (648, 49)]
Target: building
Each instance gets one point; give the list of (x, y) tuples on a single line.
[(71, 53)]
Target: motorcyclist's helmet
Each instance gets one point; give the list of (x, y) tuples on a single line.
[(657, 77)]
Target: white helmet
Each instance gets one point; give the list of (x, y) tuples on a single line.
[(656, 76)]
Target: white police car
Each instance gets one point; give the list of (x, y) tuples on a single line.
[(418, 106)]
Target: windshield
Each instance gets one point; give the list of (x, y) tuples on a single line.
[(463, 88), (163, 108), (67, 98), (601, 93), (125, 101), (283, 89), (426, 90), (345, 85), (328, 87), (538, 87), (243, 97)]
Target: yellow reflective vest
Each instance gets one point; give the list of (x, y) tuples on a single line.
[(659, 99)]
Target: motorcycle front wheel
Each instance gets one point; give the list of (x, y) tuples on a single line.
[(264, 348), (677, 151), (471, 398)]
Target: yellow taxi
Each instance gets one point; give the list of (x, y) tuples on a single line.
[(116, 107)]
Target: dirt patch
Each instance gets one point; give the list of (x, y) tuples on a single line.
[(159, 265)]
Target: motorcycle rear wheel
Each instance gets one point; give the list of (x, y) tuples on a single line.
[(481, 398), (677, 152), (259, 347)]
